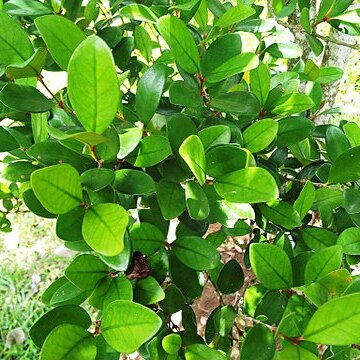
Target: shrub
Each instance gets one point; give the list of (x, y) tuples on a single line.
[(168, 115)]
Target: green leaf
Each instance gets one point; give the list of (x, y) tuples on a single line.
[(235, 14), (259, 340), (30, 68), (192, 151), (171, 343), (68, 226), (24, 8), (67, 314), (97, 179), (147, 291), (271, 266), (14, 42), (215, 135), (260, 82), (129, 139), (336, 142), (296, 352), (349, 239), (146, 238), (293, 129), (336, 322), (238, 64), (225, 159), (57, 187), (305, 20), (202, 352), (7, 141), (352, 16), (201, 16), (285, 50), (243, 103), (126, 325), (149, 91), (329, 74), (260, 135), (281, 213), (39, 127), (322, 263), (171, 198), (150, 151), (185, 94), (345, 168), (196, 253), (25, 98), (305, 199), (196, 201), (221, 51), (231, 277), (91, 67), (352, 132), (69, 341), (138, 12), (61, 37), (104, 227), (315, 44), (249, 185), (292, 104), (143, 42), (85, 271), (317, 238), (351, 201), (133, 182), (181, 43)]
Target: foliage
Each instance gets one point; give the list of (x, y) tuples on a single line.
[(193, 127)]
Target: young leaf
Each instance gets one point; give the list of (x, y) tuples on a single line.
[(58, 188), (192, 151), (292, 104), (202, 352), (336, 322), (235, 14), (181, 43), (305, 199), (91, 67), (126, 325), (249, 185), (349, 239), (138, 12), (103, 228), (61, 37), (271, 265)]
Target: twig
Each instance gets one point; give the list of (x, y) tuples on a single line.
[(299, 29)]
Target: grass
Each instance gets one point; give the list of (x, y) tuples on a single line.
[(27, 266)]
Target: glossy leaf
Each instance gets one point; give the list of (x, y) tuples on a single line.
[(192, 151), (181, 43), (104, 227), (335, 322), (250, 185), (345, 168), (260, 135), (25, 98), (92, 67), (15, 44), (271, 265), (349, 239), (69, 341), (138, 12), (150, 89), (196, 201), (196, 253), (235, 14), (126, 325), (61, 36), (58, 188)]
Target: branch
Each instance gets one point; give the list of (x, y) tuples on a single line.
[(294, 29)]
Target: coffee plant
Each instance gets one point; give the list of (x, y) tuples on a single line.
[(182, 115)]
